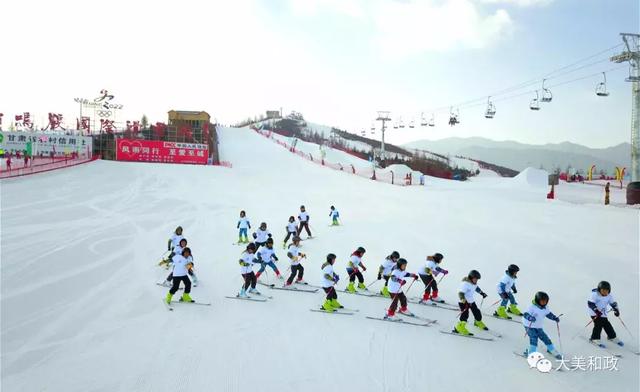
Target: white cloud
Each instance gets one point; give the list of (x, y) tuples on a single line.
[(521, 3)]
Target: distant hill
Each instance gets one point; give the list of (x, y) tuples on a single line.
[(519, 156)]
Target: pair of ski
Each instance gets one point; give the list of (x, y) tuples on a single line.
[(513, 320), (255, 298), (170, 307), (440, 305), (292, 287), (611, 352), (345, 311), (365, 293), (423, 322)]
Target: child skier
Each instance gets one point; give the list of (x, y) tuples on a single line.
[(334, 214), (178, 250), (396, 281), (353, 269), (329, 280), (266, 257), (247, 260), (385, 269), (180, 265), (428, 275), (467, 290), (174, 241), (292, 230), (260, 236), (506, 289), (303, 218), (532, 320), (295, 255), (243, 225), (598, 302)]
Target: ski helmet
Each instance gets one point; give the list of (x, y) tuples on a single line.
[(302, 207), (541, 296), (179, 228), (295, 238), (251, 246), (292, 219), (331, 258), (333, 208), (438, 257), (512, 269), (394, 255), (270, 240), (604, 285), (473, 274), (361, 250), (263, 224), (401, 262)]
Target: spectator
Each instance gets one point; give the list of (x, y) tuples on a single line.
[(606, 194)]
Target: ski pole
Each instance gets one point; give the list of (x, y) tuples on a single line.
[(371, 284), (625, 327), (526, 331), (481, 302), (558, 327), (441, 278)]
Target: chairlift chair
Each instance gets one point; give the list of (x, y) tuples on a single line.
[(432, 122), (401, 125), (601, 88), (491, 109), (454, 117), (423, 121), (535, 104), (373, 127), (395, 125), (411, 124), (546, 93)]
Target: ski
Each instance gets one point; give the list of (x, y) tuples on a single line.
[(419, 318), (271, 285), (400, 321), (248, 298), (168, 306), (466, 336), (261, 295), (192, 303), (295, 289), (602, 347), (433, 305), (521, 355), (492, 333), (168, 287), (360, 293), (503, 319), (305, 284), (331, 312)]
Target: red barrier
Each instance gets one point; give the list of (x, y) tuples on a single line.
[(45, 167)]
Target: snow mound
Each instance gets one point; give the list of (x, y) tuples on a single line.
[(533, 177)]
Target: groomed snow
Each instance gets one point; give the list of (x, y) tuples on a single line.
[(81, 312)]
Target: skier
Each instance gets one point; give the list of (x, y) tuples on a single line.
[(173, 242), (532, 320), (385, 269), (431, 271), (329, 280), (598, 302), (353, 269), (180, 264), (260, 236), (334, 214), (467, 290), (266, 257), (292, 230), (243, 225), (396, 281), (303, 217), (178, 250), (606, 194), (295, 255), (247, 260), (506, 289)]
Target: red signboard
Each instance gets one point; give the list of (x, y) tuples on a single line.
[(162, 152)]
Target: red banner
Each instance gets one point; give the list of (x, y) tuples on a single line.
[(161, 152)]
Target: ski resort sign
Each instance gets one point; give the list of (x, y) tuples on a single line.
[(161, 152), (45, 143)]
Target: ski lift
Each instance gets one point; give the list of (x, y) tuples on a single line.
[(432, 122), (411, 124), (535, 104), (363, 133), (454, 117), (601, 88), (423, 121), (546, 93), (395, 125), (401, 125), (373, 127), (491, 109)]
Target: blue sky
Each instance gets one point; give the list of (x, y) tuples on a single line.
[(336, 61)]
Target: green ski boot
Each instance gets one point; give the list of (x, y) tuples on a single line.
[(480, 325), (361, 286), (335, 304), (513, 308), (168, 298), (461, 328), (502, 313), (385, 292), (351, 288), (186, 298), (327, 306)]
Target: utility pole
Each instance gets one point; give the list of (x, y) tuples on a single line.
[(384, 117), (632, 55)]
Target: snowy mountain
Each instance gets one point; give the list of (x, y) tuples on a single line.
[(518, 156), (81, 310)]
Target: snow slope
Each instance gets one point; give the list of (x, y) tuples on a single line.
[(81, 312)]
